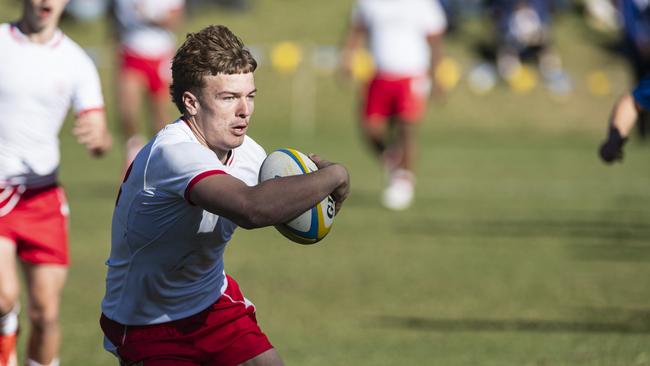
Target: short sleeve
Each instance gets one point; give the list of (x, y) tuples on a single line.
[(641, 93), (176, 168), (88, 91), (432, 17)]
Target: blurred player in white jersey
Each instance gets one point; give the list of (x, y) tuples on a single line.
[(42, 73), (168, 299), (405, 40), (146, 45)]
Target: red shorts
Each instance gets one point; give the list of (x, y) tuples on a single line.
[(156, 71), (404, 97), (225, 334), (37, 221)]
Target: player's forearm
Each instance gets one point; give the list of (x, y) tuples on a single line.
[(282, 199), (624, 115), (352, 42)]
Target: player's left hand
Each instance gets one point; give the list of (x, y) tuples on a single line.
[(91, 131), (341, 192)]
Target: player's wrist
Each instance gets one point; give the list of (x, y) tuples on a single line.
[(616, 137)]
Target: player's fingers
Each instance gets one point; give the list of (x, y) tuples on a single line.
[(314, 157), (320, 162)]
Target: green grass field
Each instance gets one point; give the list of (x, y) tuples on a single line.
[(522, 248)]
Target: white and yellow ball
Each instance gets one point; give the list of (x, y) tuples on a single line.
[(312, 225)]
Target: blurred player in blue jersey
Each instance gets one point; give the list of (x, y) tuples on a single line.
[(635, 15), (524, 33), (623, 118)]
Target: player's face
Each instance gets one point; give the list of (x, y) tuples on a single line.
[(224, 110), (42, 14)]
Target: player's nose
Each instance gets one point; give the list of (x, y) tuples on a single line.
[(244, 108)]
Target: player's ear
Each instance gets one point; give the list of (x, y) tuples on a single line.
[(191, 103)]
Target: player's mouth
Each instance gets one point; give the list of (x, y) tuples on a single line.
[(44, 12), (240, 129)]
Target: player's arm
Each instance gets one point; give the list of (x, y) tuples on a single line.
[(622, 119), (172, 20), (435, 41), (91, 131), (274, 201), (353, 40)]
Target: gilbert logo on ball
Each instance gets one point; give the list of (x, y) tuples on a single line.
[(312, 225)]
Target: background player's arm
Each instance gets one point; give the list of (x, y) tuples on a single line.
[(435, 41), (622, 120), (172, 20), (624, 114), (274, 201), (91, 131), (354, 39)]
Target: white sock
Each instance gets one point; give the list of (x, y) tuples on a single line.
[(9, 321), (55, 362)]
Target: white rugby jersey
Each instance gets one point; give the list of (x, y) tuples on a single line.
[(137, 34), (166, 259), (397, 31), (38, 83)]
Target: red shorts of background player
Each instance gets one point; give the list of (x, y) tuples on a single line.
[(156, 71), (37, 221), (225, 334), (403, 97)]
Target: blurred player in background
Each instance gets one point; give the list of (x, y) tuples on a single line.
[(146, 46), (42, 72), (635, 15), (405, 40), (624, 115), (523, 32), (168, 299)]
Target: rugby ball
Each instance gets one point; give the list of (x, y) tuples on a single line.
[(312, 225)]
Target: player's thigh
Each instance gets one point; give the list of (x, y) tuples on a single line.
[(267, 358), (131, 84), (166, 362), (44, 285), (8, 276)]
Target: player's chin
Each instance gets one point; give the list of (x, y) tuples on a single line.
[(236, 141)]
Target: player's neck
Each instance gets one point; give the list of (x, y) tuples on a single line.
[(41, 36), (191, 123)]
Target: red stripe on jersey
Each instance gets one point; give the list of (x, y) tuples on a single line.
[(14, 35), (198, 178), (57, 42), (89, 110)]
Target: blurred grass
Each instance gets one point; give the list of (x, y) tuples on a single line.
[(522, 248)]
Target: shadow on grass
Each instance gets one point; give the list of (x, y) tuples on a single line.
[(599, 239), (512, 325), (532, 228)]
